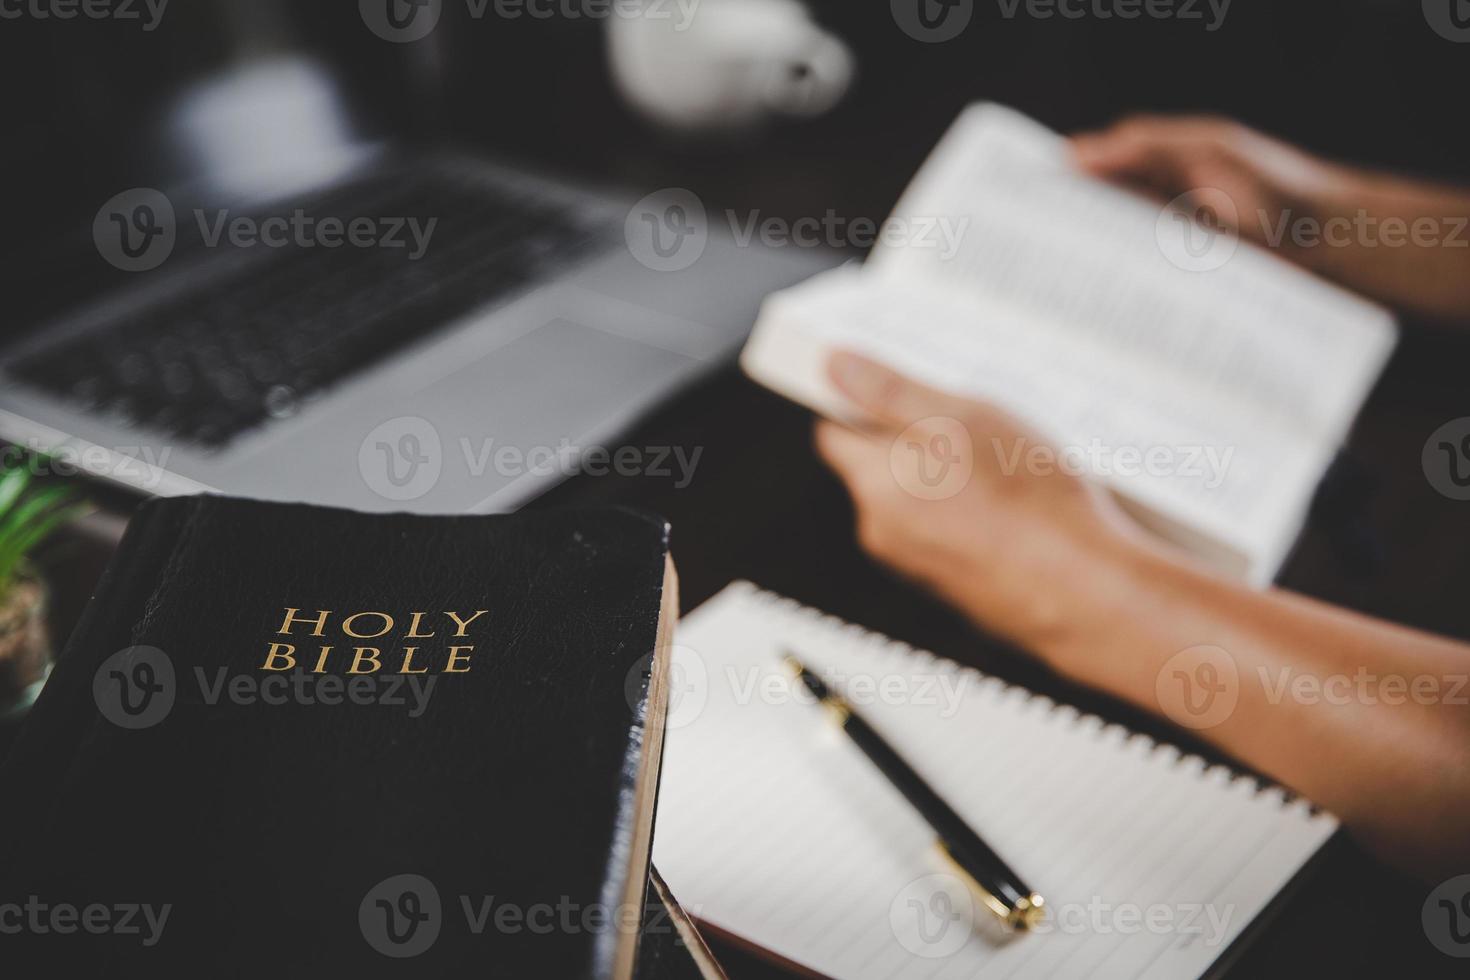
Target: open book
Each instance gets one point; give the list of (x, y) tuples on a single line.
[(1205, 381)]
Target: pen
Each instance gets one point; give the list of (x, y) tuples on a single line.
[(1000, 888)]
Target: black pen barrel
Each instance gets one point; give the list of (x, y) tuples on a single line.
[(971, 853)]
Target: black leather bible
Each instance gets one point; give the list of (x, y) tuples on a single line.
[(297, 741)]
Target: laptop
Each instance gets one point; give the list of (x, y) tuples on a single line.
[(300, 305)]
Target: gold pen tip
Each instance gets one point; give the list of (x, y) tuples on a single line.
[(1029, 911)]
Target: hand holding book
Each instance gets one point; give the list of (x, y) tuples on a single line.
[(937, 500), (1398, 240), (1053, 564), (1067, 305)]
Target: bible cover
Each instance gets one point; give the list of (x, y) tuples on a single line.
[(294, 740)]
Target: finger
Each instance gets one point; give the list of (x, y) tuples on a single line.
[(1157, 153), (845, 450), (1153, 166), (889, 400)]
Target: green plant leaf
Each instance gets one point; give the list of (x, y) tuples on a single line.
[(31, 507), (27, 519), (12, 485), (38, 531)]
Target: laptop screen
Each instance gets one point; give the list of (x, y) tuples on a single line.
[(166, 93), (238, 99)]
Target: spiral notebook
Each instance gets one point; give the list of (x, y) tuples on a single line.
[(775, 830)]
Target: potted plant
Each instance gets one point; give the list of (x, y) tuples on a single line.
[(29, 514)]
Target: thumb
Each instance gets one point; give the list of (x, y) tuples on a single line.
[(888, 398)]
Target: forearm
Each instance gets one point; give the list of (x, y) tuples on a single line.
[(1363, 717), (1403, 242)]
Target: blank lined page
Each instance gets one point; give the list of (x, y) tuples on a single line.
[(773, 827)]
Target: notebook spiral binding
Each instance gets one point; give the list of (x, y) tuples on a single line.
[(901, 653)]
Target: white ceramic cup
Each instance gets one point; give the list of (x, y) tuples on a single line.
[(702, 65)]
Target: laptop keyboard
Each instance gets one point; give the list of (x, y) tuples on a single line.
[(213, 363)]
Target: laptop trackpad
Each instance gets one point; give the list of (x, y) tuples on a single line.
[(561, 387)]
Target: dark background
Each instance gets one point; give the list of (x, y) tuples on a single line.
[(1361, 80)]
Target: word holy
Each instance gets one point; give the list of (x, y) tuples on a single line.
[(363, 659)]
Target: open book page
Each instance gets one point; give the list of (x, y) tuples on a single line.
[(1212, 399), (1179, 457), (1094, 260), (776, 829)]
